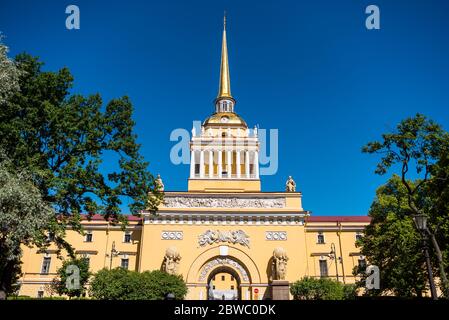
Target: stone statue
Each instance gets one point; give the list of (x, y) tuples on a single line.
[(279, 263), (159, 183), (171, 260), (255, 131), (290, 185)]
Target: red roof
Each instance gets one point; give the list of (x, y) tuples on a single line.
[(97, 217), (338, 219)]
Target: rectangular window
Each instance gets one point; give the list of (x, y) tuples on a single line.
[(46, 265), (323, 268), (40, 294), (358, 236), (222, 278), (320, 238), (197, 168), (232, 287), (88, 237), (87, 259), (125, 263), (362, 264), (127, 238), (213, 287)]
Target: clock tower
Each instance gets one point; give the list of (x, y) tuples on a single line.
[(225, 154)]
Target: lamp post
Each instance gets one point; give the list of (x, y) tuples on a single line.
[(421, 225), (333, 255), (114, 253)]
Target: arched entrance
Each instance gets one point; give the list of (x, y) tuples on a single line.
[(223, 284), (232, 260)]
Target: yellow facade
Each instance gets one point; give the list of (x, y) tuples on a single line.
[(222, 233)]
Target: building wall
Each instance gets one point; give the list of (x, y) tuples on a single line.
[(147, 249), (98, 251)]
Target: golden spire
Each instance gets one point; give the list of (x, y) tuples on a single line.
[(224, 90)]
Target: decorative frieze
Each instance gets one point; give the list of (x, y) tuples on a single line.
[(216, 236), (171, 235), (220, 219), (222, 261), (276, 235), (223, 202)]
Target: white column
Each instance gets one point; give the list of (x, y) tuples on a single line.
[(238, 164), (211, 163), (202, 164), (192, 164), (228, 163), (220, 167), (247, 164), (256, 164)]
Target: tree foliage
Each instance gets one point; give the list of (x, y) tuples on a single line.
[(23, 218), (309, 288), (60, 284), (62, 140), (121, 284), (392, 243), (419, 149), (9, 74)]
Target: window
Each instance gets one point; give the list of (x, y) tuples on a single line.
[(232, 287), (222, 278), (127, 237), (320, 238), (40, 294), (88, 237), (86, 258), (125, 263), (213, 278), (213, 287), (46, 265), (197, 168), (362, 264), (51, 236), (358, 236), (323, 268), (232, 278)]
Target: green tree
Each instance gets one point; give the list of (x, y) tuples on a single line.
[(62, 139), (23, 218), (318, 289), (9, 74), (63, 284), (419, 146), (392, 243), (121, 284)]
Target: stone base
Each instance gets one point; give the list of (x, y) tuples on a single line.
[(280, 290)]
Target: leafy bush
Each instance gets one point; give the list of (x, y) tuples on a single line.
[(59, 285), (121, 284), (318, 289)]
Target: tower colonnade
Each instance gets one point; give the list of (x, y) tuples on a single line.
[(236, 163)]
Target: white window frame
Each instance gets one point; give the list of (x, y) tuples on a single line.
[(121, 263), (358, 234), (320, 233), (124, 237), (46, 256), (91, 234), (327, 268)]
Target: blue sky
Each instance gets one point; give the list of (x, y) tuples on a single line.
[(307, 68)]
